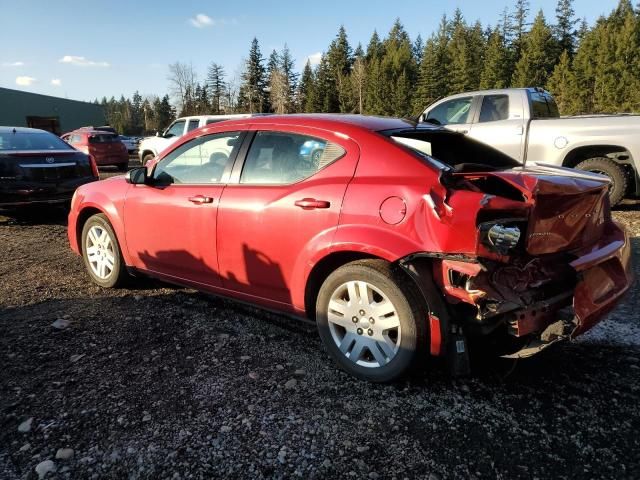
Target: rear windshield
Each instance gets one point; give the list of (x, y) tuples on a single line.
[(103, 138), (10, 141), (453, 149)]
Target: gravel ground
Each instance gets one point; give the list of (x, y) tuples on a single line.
[(163, 382)]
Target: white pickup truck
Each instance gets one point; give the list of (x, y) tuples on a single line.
[(152, 146), (525, 124)]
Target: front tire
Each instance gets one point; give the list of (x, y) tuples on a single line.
[(371, 320), (101, 252), (147, 158), (611, 169)]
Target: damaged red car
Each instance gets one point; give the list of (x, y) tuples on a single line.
[(398, 239)]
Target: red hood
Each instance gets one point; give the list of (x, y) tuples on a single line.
[(567, 208)]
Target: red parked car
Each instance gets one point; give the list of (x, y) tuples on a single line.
[(105, 147), (398, 239)]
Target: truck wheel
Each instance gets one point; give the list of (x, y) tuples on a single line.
[(611, 169), (371, 320)]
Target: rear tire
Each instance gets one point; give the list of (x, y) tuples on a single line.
[(370, 318), (101, 253), (611, 169)]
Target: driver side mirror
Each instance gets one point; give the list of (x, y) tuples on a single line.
[(137, 176)]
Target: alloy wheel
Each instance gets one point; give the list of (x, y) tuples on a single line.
[(364, 324), (100, 252)]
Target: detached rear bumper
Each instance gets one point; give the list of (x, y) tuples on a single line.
[(605, 274)]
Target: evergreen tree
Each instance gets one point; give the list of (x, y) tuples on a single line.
[(217, 86), (288, 69), (537, 60), (519, 25), (165, 113), (495, 71), (418, 48), (562, 84), (252, 96), (565, 27), (305, 95), (137, 125), (339, 60)]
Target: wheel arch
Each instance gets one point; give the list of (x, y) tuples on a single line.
[(578, 154), (90, 209)]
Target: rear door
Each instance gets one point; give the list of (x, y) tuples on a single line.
[(499, 122), (171, 223), (281, 205)]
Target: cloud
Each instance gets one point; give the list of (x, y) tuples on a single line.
[(13, 64), (201, 21), (24, 81), (81, 61), (56, 82), (314, 58)]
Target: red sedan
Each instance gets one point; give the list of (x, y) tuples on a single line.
[(397, 239), (105, 147)]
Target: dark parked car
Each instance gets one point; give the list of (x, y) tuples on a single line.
[(105, 147), (397, 239), (37, 167)]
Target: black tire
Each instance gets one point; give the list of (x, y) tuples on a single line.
[(147, 157), (408, 303), (123, 167), (611, 169), (118, 275)]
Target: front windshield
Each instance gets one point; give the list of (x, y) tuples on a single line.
[(10, 141), (453, 149)]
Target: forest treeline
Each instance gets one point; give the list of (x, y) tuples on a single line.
[(589, 68)]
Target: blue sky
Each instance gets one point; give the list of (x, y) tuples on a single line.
[(83, 50)]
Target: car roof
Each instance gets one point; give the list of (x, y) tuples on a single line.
[(4, 129), (330, 121)]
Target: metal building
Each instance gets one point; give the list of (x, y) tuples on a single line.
[(57, 115)]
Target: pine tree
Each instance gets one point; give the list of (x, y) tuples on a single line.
[(305, 95), (137, 125), (519, 25), (288, 69), (418, 48), (495, 72), (339, 60), (537, 60), (217, 86), (562, 84), (565, 27), (252, 96)]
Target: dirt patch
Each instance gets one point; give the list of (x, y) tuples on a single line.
[(163, 382)]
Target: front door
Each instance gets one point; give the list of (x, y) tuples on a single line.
[(285, 203), (171, 223)]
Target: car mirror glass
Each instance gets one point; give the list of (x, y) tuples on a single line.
[(137, 176)]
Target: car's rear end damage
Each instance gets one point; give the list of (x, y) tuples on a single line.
[(544, 261)]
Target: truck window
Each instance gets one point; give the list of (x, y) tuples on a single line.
[(543, 106), (193, 124), (175, 130), (453, 112), (494, 107)]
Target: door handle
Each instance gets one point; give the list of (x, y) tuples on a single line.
[(311, 203), (200, 199)]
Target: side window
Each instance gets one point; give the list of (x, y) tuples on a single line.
[(175, 130), (282, 158), (452, 112), (193, 124), (543, 106), (75, 139), (213, 120), (199, 161), (494, 107)]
